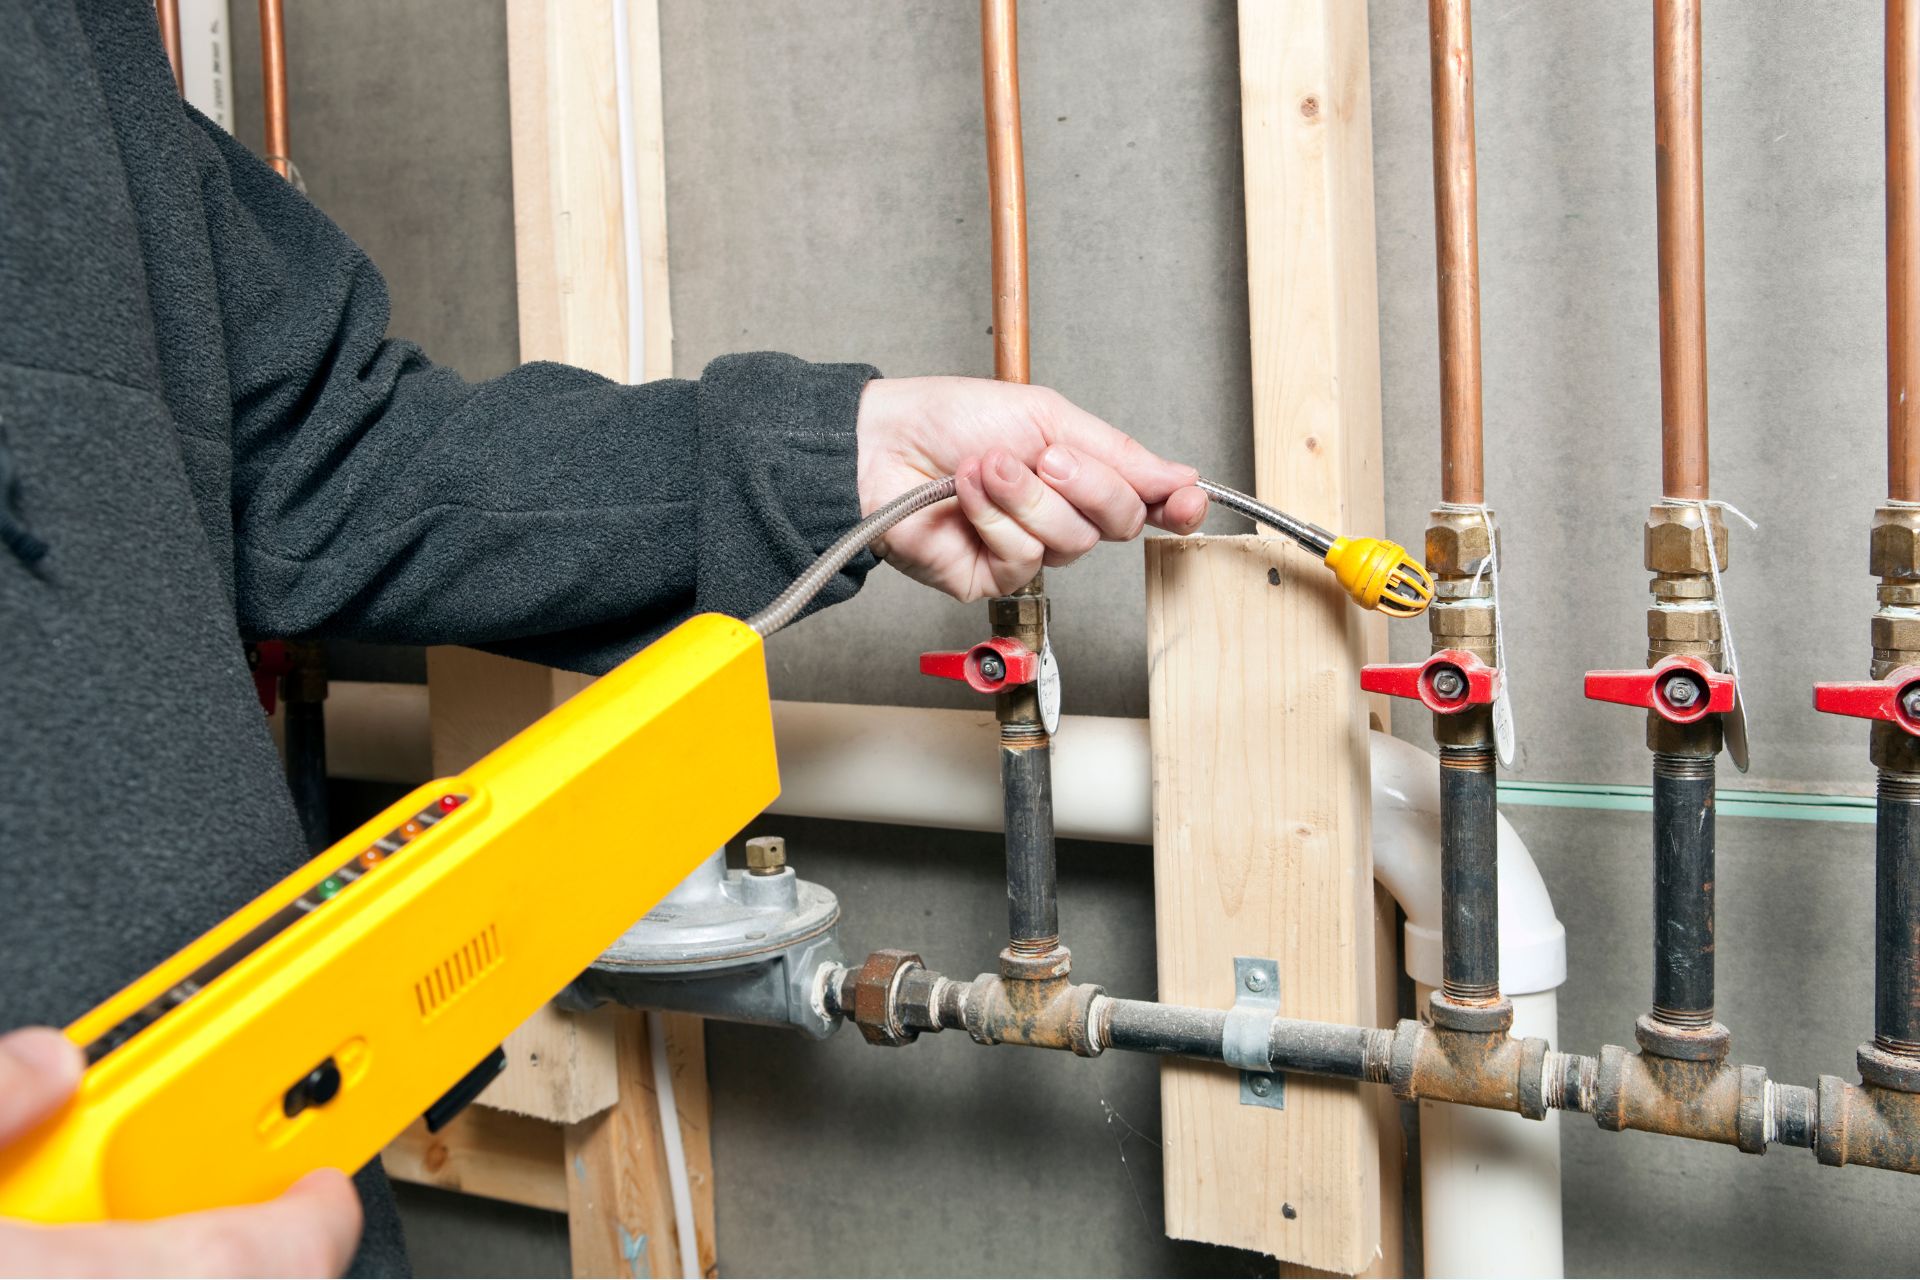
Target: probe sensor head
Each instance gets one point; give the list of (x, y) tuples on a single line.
[(1381, 575)]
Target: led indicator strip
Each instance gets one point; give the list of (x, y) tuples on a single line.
[(316, 896)]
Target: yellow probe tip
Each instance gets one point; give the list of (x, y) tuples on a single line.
[(1381, 575)]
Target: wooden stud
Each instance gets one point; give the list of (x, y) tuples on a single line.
[(589, 1073), (484, 1152), (1261, 785)]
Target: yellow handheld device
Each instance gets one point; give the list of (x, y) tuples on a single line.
[(311, 1026)]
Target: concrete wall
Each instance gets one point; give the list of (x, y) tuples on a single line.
[(826, 197)]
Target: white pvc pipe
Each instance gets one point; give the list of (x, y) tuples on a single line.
[(1490, 1180)]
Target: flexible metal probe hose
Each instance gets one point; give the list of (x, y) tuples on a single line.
[(1378, 574)]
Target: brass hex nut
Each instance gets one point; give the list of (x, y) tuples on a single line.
[(1457, 544), (1894, 632), (873, 997), (766, 855), (1699, 626), (1896, 543), (1676, 539), (1450, 619)]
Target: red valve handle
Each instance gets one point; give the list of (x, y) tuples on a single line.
[(268, 660), (1477, 683), (1660, 688), (1873, 699), (1018, 664)]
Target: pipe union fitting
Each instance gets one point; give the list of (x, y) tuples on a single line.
[(1676, 539)]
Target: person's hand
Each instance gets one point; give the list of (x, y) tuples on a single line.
[(1039, 481), (309, 1231)]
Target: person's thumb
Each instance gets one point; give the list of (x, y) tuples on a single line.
[(39, 1068)]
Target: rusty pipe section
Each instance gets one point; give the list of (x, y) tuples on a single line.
[(894, 999), (273, 64)]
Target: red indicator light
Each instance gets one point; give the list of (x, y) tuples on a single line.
[(449, 803)]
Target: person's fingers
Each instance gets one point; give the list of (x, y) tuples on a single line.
[(1013, 554), (1096, 491), (1183, 512), (39, 1068), (311, 1230), (1152, 477), (1043, 512)]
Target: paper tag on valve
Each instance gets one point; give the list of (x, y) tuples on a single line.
[(1048, 688), (1734, 726), (1503, 727)]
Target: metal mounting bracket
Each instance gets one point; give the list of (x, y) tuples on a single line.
[(1245, 1038)]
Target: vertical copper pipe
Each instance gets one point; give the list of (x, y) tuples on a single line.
[(1903, 239), (168, 12), (1683, 248), (1007, 186), (1457, 249), (273, 65)]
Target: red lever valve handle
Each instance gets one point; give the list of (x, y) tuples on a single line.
[(1451, 680), (1680, 689), (988, 667), (1895, 699)]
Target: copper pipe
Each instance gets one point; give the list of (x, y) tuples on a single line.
[(1683, 249), (1457, 249), (1903, 237), (1007, 187), (273, 65), (168, 12)]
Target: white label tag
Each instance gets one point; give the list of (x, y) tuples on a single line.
[(1503, 727), (1049, 688), (1734, 726)]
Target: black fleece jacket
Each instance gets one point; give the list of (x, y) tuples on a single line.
[(206, 436)]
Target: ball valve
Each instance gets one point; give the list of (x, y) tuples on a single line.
[(1451, 680), (988, 667), (1680, 689), (1895, 699)]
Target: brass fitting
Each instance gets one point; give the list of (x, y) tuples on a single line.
[(766, 855), (1041, 1012), (1711, 1101), (872, 995), (1894, 554), (1458, 547), (1022, 617), (1676, 540), (1867, 1124), (1475, 1069)]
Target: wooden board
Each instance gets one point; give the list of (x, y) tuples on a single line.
[(571, 265), (1261, 786), (621, 1220), (484, 1152)]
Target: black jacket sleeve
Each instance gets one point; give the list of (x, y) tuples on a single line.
[(548, 513)]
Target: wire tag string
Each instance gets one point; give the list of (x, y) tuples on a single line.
[(1735, 724), (1504, 739)]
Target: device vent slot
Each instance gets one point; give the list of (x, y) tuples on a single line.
[(457, 972)]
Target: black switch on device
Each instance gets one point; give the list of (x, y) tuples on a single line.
[(315, 1089), (455, 1100)]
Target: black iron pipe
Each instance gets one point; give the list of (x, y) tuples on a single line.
[(1896, 953), (1469, 876), (1312, 1048), (1026, 780), (1683, 890)]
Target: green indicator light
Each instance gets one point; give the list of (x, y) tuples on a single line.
[(329, 887)]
